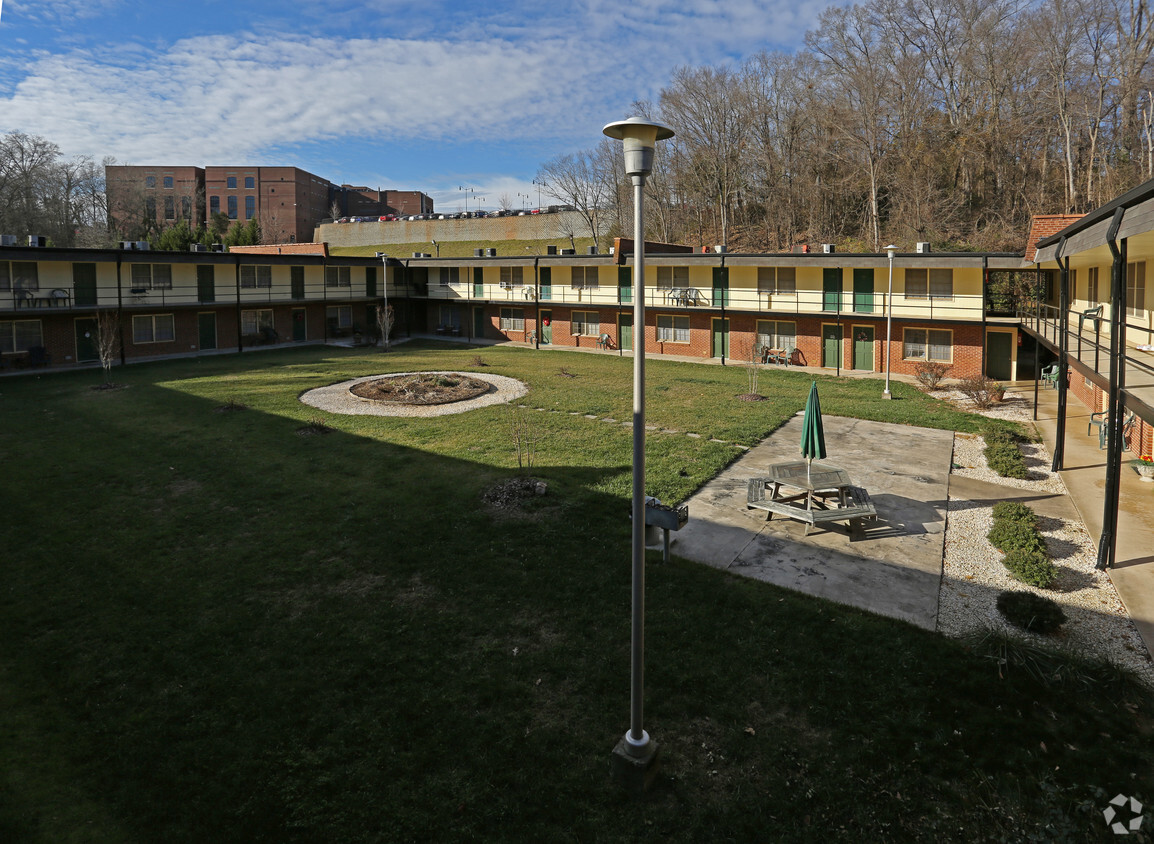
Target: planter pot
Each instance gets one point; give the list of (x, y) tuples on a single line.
[(1145, 472)]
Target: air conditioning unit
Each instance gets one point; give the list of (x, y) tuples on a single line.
[(490, 252), (829, 248), (478, 253), (568, 251), (923, 247), (801, 248), (550, 250), (217, 247), (418, 254), (7, 240), (721, 249), (592, 250), (37, 240), (128, 245), (198, 247), (506, 285)]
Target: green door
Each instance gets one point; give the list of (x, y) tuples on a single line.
[(546, 277), (84, 286), (863, 347), (625, 331), (300, 327), (205, 287), (371, 282), (863, 291), (546, 323), (999, 355), (721, 291), (625, 286), (831, 289), (831, 345), (86, 348), (206, 326), (478, 321), (478, 283), (720, 338)]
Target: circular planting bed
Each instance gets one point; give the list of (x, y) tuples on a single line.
[(422, 388)]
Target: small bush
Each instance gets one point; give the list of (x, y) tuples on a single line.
[(930, 374), (1031, 612), (1032, 567), (982, 391), (1003, 455), (1014, 511), (1008, 535)]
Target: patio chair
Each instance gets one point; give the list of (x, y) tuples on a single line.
[(24, 298), (1100, 420), (1050, 375), (60, 297), (604, 342), (1090, 313)]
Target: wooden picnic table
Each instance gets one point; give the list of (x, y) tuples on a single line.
[(805, 494)]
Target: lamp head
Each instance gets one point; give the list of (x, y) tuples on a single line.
[(890, 250), (640, 137)]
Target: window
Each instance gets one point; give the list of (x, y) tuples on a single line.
[(338, 277), (670, 277), (1136, 288), (586, 323), (170, 208), (232, 207), (249, 207), (19, 335), (779, 280), (1092, 285), (451, 316), (249, 182), (585, 277), (158, 328), (251, 322), (928, 344), (776, 335), (672, 329), (450, 275), (150, 207), (512, 277), (168, 181), (19, 275), (214, 204), (5, 276), (929, 284), (256, 276), (150, 181), (512, 319), (186, 208), (231, 181), (151, 276)]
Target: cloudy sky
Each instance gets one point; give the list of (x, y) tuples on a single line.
[(430, 95)]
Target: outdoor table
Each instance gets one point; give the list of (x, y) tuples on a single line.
[(802, 493), (808, 479)]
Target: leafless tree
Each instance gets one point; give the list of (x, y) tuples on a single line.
[(107, 340)]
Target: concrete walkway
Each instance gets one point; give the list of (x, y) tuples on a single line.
[(895, 570), (1084, 473)]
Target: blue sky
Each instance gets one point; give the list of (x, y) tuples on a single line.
[(427, 95)]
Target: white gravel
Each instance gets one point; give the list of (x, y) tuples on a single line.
[(337, 398), (1097, 624)]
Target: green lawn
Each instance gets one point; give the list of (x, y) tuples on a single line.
[(216, 628)]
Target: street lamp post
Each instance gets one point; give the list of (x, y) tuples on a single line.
[(889, 317), (541, 183), (635, 756)]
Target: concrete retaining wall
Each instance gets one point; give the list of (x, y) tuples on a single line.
[(530, 227)]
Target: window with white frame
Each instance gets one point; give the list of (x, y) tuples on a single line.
[(585, 323), (339, 316), (671, 277), (1092, 285), (936, 283), (672, 328), (512, 319), (777, 280), (928, 344), (1136, 288), (259, 275), (20, 335), (338, 277), (450, 275), (512, 276), (584, 278), (774, 334), (154, 328)]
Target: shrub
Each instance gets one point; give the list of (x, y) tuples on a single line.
[(1014, 511), (1031, 612), (1008, 535), (1033, 567), (930, 374), (1003, 455), (982, 391)]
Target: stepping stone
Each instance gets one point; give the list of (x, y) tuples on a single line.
[(607, 419), (695, 436), (590, 416)]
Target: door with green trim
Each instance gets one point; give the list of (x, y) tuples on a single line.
[(300, 327), (721, 289), (84, 285), (831, 289), (478, 282), (625, 331), (831, 345), (86, 348), (863, 291), (720, 343), (546, 325), (545, 274), (999, 355), (863, 347), (625, 286), (478, 321), (206, 330), (206, 284)]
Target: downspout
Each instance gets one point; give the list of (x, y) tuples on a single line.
[(985, 305), (119, 309), (1063, 356), (1106, 545), (724, 295), (1039, 330), (537, 300), (239, 329), (325, 293)]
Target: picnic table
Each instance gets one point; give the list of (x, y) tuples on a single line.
[(817, 494)]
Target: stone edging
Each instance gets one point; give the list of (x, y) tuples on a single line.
[(336, 398)]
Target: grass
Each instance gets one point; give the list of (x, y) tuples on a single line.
[(217, 629)]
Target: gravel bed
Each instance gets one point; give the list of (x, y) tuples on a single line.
[(1097, 624), (336, 398)]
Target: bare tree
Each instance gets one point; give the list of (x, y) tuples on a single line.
[(107, 340), (385, 319), (579, 179)]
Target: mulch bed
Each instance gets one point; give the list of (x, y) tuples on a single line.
[(427, 388)]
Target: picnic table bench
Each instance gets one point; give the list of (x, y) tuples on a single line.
[(812, 505)]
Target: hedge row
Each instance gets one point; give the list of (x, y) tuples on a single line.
[(1015, 533), (1003, 455)]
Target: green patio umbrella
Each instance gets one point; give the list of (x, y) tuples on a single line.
[(812, 432)]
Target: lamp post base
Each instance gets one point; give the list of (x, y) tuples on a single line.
[(886, 394), (634, 773)]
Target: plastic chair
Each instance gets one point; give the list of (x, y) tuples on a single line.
[(604, 342), (1090, 313), (1050, 375), (1101, 420)]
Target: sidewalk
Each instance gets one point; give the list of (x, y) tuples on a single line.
[(1084, 473)]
